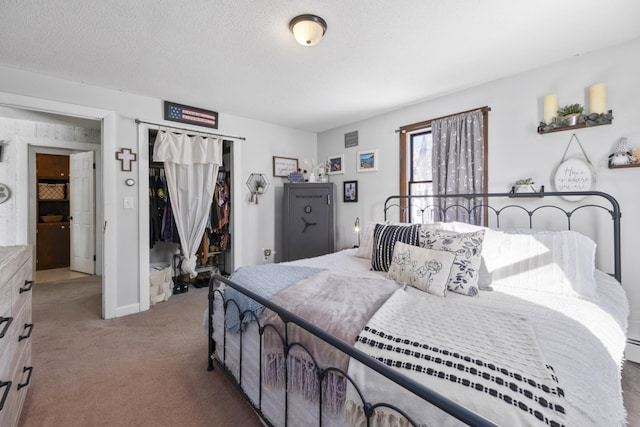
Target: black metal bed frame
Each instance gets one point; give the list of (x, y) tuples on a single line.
[(403, 203)]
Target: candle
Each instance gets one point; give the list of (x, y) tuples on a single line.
[(598, 99), (550, 107)]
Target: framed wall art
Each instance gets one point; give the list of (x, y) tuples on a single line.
[(350, 191), (283, 166), (336, 164), (367, 161)]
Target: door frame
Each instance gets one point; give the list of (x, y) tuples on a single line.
[(143, 218), (59, 148), (105, 179)]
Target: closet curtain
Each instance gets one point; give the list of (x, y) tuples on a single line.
[(458, 164), (191, 166)]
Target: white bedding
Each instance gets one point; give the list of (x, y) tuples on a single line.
[(583, 341)]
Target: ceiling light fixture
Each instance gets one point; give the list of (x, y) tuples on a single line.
[(308, 29)]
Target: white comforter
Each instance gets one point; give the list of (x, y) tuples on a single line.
[(583, 341)]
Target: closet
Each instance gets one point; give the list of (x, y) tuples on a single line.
[(164, 237), (52, 211)]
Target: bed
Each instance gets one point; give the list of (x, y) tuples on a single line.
[(438, 323)]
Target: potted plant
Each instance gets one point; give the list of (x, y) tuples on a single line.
[(570, 113), (524, 186)]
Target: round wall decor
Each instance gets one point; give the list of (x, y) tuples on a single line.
[(574, 174), (5, 193)]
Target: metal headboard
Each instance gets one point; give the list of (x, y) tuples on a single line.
[(483, 206)]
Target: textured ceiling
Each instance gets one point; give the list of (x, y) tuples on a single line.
[(238, 57)]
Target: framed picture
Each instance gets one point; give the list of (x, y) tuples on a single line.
[(336, 164), (283, 166), (367, 161), (350, 191)]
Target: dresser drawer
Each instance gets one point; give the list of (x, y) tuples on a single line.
[(22, 332), (21, 380), (22, 286)]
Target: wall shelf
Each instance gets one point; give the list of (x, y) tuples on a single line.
[(602, 119), (631, 165)]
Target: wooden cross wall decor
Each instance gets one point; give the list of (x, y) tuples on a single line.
[(126, 158)]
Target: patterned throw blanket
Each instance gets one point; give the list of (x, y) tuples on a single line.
[(265, 280), (341, 305), (486, 360)]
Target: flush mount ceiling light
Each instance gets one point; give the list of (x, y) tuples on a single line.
[(308, 29)]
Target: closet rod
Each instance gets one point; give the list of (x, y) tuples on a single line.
[(138, 121)]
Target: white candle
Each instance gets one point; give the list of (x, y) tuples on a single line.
[(598, 99), (550, 107)]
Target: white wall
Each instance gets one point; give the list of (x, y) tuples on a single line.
[(516, 150), (255, 223), (18, 135)]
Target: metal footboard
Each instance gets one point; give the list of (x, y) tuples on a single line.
[(455, 410)]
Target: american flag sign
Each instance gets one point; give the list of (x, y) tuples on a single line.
[(191, 115)]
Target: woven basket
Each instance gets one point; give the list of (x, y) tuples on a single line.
[(51, 191)]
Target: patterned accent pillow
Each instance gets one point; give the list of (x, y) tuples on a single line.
[(422, 268), (467, 248), (384, 239)]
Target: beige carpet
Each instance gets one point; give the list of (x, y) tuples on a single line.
[(147, 369)]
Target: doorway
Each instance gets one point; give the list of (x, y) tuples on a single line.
[(65, 211), (32, 133)]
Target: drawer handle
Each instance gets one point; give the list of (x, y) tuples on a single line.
[(28, 284), (7, 385), (25, 369), (24, 337), (8, 321)]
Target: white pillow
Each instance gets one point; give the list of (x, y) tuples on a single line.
[(424, 269), (366, 241), (559, 262), (467, 248)]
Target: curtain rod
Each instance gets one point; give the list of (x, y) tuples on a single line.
[(404, 129), (138, 121)]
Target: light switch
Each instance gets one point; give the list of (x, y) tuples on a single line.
[(128, 202)]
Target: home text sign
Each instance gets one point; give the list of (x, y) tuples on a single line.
[(574, 175), (351, 139), (190, 115)]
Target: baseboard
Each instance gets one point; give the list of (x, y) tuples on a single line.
[(127, 310), (632, 351)]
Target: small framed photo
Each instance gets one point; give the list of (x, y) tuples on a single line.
[(367, 161), (336, 164), (283, 166), (350, 191)]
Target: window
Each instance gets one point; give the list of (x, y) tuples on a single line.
[(420, 171), (416, 168)]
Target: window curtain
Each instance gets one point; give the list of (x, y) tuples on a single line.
[(458, 161), (191, 166)]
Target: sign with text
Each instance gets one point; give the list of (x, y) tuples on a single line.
[(351, 139)]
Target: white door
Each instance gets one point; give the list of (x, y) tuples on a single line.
[(82, 212)]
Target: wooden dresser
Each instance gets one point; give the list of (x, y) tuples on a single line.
[(16, 270)]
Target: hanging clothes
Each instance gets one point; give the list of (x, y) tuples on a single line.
[(219, 218)]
